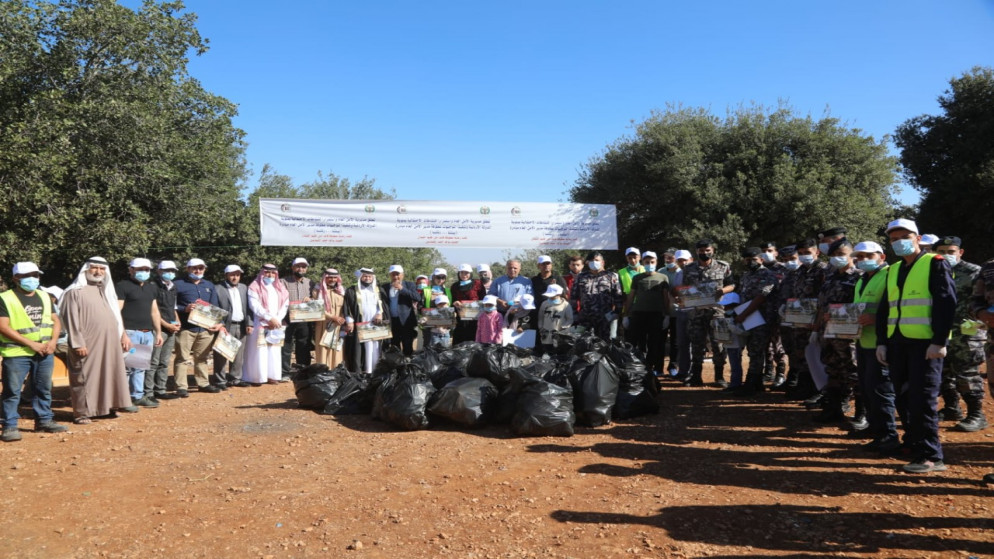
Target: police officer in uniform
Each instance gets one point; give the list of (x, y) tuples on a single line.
[(982, 309), (961, 368), (776, 356), (756, 287), (810, 276), (708, 273), (838, 354)]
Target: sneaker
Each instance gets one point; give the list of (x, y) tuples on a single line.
[(50, 427), (128, 409), (147, 402), (182, 393), (10, 434), (286, 379), (924, 466), (210, 389)]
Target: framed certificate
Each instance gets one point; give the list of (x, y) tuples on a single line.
[(227, 345), (206, 315), (306, 311), (727, 333), (369, 332), (469, 310), (843, 321), (332, 338), (694, 297), (800, 312), (445, 318)]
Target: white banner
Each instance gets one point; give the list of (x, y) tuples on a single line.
[(417, 224)]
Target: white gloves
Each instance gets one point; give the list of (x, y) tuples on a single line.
[(625, 322), (882, 354), (935, 352)]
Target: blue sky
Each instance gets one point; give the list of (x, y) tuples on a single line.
[(506, 101)]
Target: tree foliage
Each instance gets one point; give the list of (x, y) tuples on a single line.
[(755, 175), (107, 144), (949, 158)]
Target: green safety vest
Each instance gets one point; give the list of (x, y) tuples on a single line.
[(20, 322), (428, 301), (911, 307), (626, 275), (870, 296)]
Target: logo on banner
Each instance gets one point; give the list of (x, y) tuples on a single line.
[(515, 211), (285, 208), (485, 210), (402, 209), (595, 212), (370, 209)]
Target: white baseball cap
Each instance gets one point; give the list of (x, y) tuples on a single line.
[(868, 246), (395, 268), (26, 268), (465, 268), (483, 268), (544, 258), (902, 224), (682, 254), (648, 254), (53, 290), (630, 250), (441, 299), (167, 265), (233, 268), (439, 272), (553, 290), (300, 260), (420, 277), (195, 262), (929, 239), (140, 263), (527, 302), (490, 300)]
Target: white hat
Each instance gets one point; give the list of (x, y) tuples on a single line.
[(396, 268), (195, 262), (299, 260), (902, 224), (868, 246), (441, 299), (483, 268), (490, 300), (929, 239), (140, 263), (465, 268), (682, 255), (630, 250), (527, 302), (53, 290), (167, 265), (233, 268), (439, 272), (421, 276), (554, 290), (649, 254), (26, 268), (544, 258), (730, 299)]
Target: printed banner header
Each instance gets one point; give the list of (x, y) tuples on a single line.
[(418, 224)]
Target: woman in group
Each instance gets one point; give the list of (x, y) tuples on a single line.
[(269, 301), (466, 290), (332, 294)]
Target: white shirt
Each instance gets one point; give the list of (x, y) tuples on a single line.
[(237, 313)]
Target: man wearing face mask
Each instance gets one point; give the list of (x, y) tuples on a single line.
[(193, 346), (546, 276), (810, 276), (673, 274), (707, 273), (785, 290), (625, 275), (647, 313), (137, 298), (829, 236), (776, 356), (961, 367), (874, 378), (982, 310), (298, 334), (596, 296), (157, 375), (28, 334), (756, 287), (683, 258), (913, 325)]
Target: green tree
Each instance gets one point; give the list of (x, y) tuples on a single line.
[(949, 158), (755, 175), (107, 145)]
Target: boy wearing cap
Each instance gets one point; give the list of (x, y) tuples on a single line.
[(232, 296), (554, 315), (647, 312), (299, 335), (157, 375), (28, 332), (137, 297), (193, 346), (634, 268), (440, 335), (961, 368)]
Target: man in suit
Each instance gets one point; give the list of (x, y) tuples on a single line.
[(232, 296), (403, 298)]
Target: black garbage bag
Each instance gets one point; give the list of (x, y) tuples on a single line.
[(354, 395), (587, 342), (563, 342), (466, 401), (446, 375), (554, 370), (402, 398), (493, 362), (314, 385), (541, 408), (595, 386), (391, 358), (429, 359)]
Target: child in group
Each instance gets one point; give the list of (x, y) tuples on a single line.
[(554, 315), (440, 335), (490, 324)]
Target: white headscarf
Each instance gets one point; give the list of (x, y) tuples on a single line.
[(110, 294)]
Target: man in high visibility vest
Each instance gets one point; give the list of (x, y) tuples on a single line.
[(29, 330), (914, 319)]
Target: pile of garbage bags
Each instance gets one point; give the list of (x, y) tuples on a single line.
[(589, 382)]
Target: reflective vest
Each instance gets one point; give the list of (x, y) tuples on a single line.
[(911, 306), (20, 322), (870, 296), (625, 275), (430, 297)]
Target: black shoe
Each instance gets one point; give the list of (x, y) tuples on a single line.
[(221, 387), (989, 479), (239, 384), (10, 434), (778, 382), (50, 427), (857, 424), (128, 409), (813, 402), (210, 389), (147, 402), (972, 423), (166, 396), (951, 413), (721, 383)]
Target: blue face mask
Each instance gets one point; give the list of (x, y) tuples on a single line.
[(952, 259), (465, 282), (437, 288), (594, 265), (196, 277), (823, 247), (488, 309), (868, 265), (650, 268), (839, 262), (169, 276), (29, 284), (903, 247), (268, 280), (143, 275), (554, 300), (671, 265), (792, 264), (806, 258)]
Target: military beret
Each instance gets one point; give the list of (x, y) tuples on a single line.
[(950, 240), (807, 243), (843, 242), (832, 232), (767, 244), (788, 250), (750, 252), (704, 243)]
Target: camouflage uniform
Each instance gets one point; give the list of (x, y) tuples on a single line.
[(700, 327), (983, 299), (838, 355), (807, 284), (961, 368), (763, 281), (776, 356), (597, 294), (786, 291)]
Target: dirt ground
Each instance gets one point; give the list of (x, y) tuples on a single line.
[(245, 473)]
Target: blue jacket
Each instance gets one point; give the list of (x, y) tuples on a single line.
[(188, 292)]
